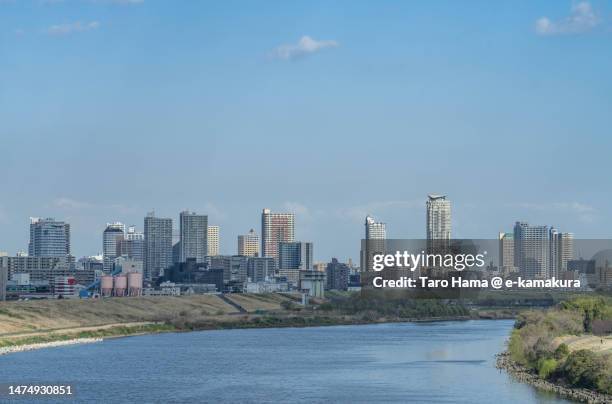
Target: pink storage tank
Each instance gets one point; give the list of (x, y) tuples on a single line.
[(120, 285), (106, 285), (134, 283)]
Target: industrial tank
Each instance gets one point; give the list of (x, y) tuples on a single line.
[(106, 285), (134, 283), (120, 285)]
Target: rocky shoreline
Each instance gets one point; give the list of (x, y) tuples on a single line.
[(524, 375), (31, 347)]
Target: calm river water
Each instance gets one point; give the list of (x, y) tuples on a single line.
[(440, 362)]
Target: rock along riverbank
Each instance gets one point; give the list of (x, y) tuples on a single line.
[(524, 375), (31, 347)]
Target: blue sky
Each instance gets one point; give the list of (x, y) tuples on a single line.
[(333, 110)]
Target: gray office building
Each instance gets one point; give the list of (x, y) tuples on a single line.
[(49, 238), (194, 236), (295, 255), (158, 245)]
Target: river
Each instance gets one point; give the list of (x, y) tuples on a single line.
[(438, 362)]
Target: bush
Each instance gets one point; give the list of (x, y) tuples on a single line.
[(546, 367), (288, 305), (584, 368), (562, 351)]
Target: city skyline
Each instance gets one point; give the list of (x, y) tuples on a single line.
[(278, 221), (109, 111)]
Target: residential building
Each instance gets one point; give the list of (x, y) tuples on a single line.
[(113, 234), (295, 255), (506, 252), (158, 245), (275, 228), (194, 231), (373, 243), (319, 266), (248, 244), (292, 276), (438, 219), (337, 275), (212, 240), (49, 238), (133, 245), (561, 251), (260, 269), (532, 250)]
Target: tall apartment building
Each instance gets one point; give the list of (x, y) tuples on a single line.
[(506, 252), (531, 250), (561, 247), (438, 219), (212, 240), (158, 245), (113, 234), (275, 228), (49, 238), (373, 243), (248, 244), (295, 255), (194, 231), (132, 246)]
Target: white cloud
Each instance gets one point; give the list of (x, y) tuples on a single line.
[(581, 19), (67, 29), (305, 46)]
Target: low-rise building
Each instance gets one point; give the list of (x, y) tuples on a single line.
[(165, 289), (292, 276)]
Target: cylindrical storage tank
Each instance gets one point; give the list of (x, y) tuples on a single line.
[(134, 283), (106, 285), (120, 285)]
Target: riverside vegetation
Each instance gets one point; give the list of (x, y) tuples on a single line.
[(43, 321), (538, 344)]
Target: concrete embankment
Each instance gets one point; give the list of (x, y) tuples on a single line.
[(31, 347), (524, 375)]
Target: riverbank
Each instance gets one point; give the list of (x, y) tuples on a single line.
[(525, 375), (42, 321), (30, 347)]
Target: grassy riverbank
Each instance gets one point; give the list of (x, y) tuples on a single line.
[(31, 322), (558, 344)]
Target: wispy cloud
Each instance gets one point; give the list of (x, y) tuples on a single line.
[(71, 28), (581, 19), (305, 46)]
